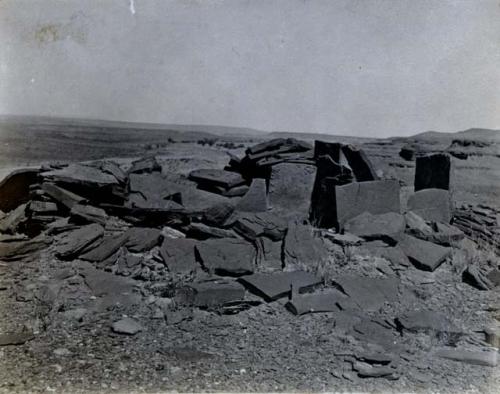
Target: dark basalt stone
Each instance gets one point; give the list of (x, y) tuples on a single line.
[(276, 285), (229, 256), (433, 172)]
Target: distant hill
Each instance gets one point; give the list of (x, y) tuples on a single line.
[(473, 134), (318, 136), (40, 121)]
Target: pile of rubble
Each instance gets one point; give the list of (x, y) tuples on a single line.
[(277, 224)]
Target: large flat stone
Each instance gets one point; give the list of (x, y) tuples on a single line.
[(78, 174), (423, 254), (485, 357), (251, 225), (76, 241), (369, 294), (433, 172), (105, 249), (216, 177), (290, 189), (276, 285), (179, 255), (341, 203), (227, 256), (386, 226), (18, 250), (143, 165), (214, 293), (140, 239), (433, 205), (425, 320), (316, 302), (62, 196), (303, 248), (88, 214)]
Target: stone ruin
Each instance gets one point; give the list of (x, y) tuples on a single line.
[(276, 224)]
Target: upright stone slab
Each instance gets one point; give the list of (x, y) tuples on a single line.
[(226, 256), (433, 205), (360, 164), (341, 203), (290, 189), (15, 188), (433, 172), (255, 200)]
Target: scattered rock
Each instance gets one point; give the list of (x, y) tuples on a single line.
[(18, 250), (201, 231), (15, 338), (62, 196), (105, 249), (218, 214), (345, 239), (252, 225), (127, 326), (13, 219), (214, 177), (425, 320), (276, 285), (485, 357), (268, 254), (423, 254)]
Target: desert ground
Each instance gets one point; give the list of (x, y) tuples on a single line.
[(181, 307)]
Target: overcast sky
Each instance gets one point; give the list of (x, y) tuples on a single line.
[(375, 68)]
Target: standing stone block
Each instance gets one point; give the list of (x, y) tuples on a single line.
[(433, 205), (341, 203), (255, 199), (290, 189), (433, 172), (360, 164)]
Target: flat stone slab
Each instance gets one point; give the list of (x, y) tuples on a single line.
[(345, 239), (290, 189), (255, 199), (88, 214), (484, 357), (62, 196), (216, 177), (202, 232), (423, 254), (215, 293), (76, 241), (432, 205), (78, 174), (425, 320), (387, 226), (338, 204), (393, 254), (105, 249), (179, 255), (276, 285), (42, 207), (13, 219), (140, 239), (17, 250), (145, 165), (433, 172), (315, 302), (251, 225), (303, 248), (16, 338), (369, 294), (218, 214), (227, 256)]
